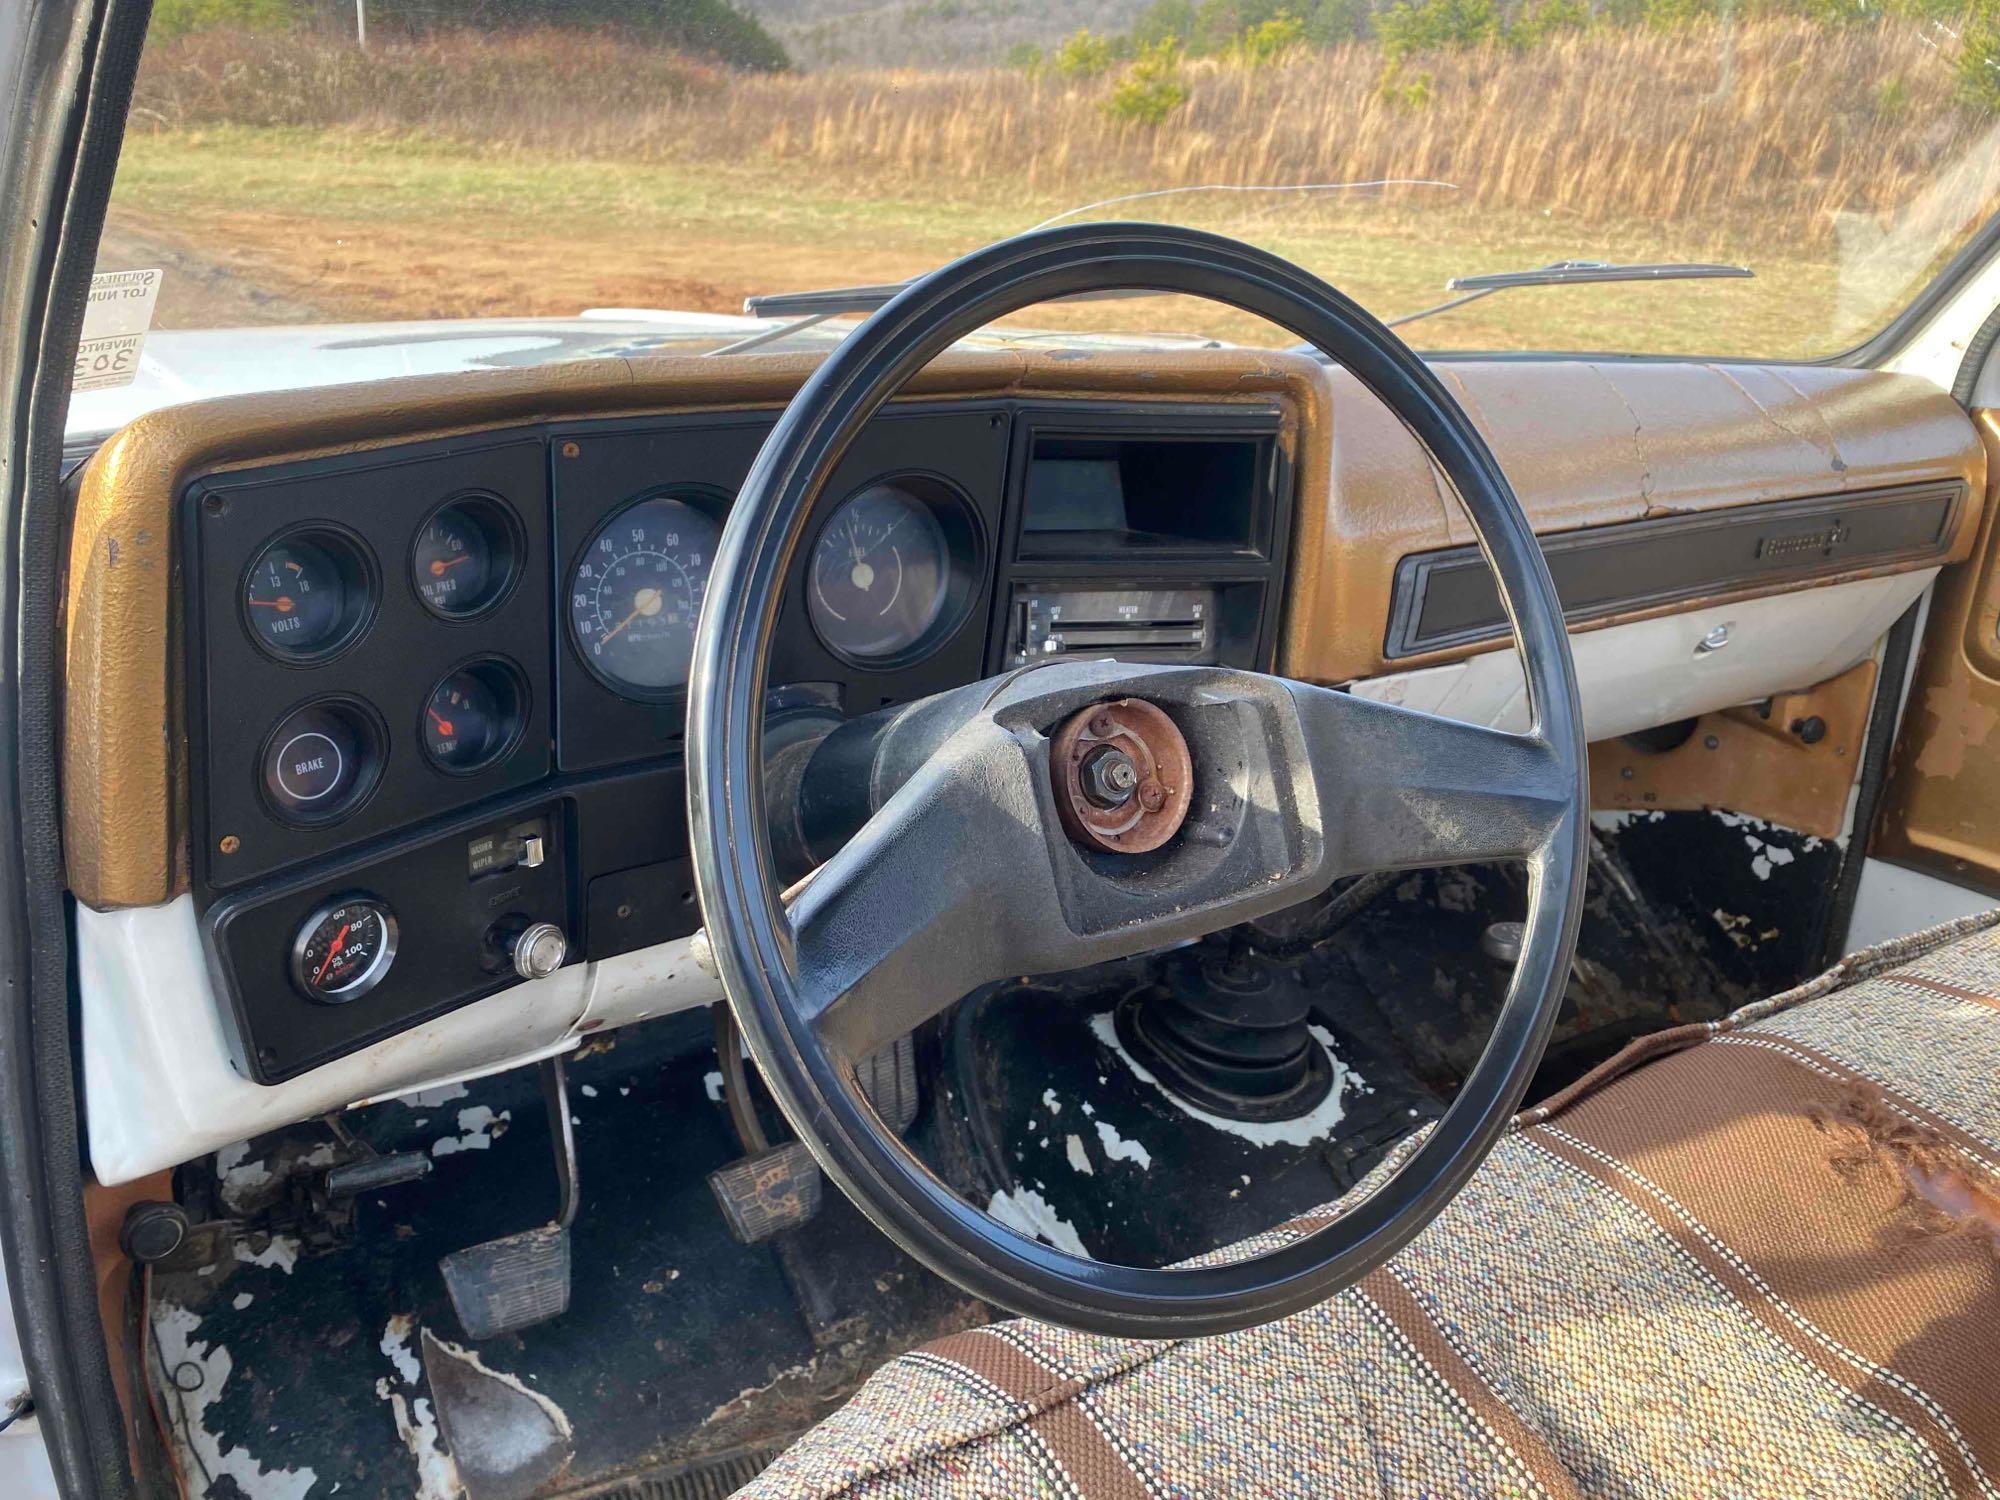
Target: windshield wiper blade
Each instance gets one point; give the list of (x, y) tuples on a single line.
[(1573, 273), (810, 309), (829, 302)]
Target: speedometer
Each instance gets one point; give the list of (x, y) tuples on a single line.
[(635, 594)]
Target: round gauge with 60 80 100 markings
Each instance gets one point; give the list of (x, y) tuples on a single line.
[(635, 594), (343, 950)]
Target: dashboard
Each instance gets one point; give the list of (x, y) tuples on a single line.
[(438, 692), (374, 695)]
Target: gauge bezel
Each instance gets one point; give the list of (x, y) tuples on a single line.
[(369, 978), (360, 575), (712, 503), (496, 672), (506, 547), (964, 532), (371, 751)]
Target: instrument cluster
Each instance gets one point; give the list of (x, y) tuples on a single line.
[(438, 693), (313, 591)]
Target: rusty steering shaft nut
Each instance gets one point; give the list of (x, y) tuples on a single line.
[(1123, 777)]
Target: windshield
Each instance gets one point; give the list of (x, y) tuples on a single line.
[(658, 162)]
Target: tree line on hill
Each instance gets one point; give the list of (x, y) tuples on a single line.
[(1259, 32), (714, 29)]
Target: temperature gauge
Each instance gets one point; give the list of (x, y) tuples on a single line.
[(473, 718), (344, 950)]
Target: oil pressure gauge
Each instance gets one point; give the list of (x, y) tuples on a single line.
[(343, 950)]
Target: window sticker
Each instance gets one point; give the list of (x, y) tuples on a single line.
[(114, 327)]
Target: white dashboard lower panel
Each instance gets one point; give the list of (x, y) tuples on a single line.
[(1653, 672), (160, 1088)]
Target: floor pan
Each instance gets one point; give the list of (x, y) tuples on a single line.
[(283, 1372)]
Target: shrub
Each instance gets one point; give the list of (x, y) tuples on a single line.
[(1402, 90), (1165, 21), (1025, 56), (1151, 89), (1978, 64), (179, 17), (1328, 23), (1676, 15), (1412, 26), (1540, 21), (1084, 54), (1267, 41)]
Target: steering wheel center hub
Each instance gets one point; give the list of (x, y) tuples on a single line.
[(1123, 776)]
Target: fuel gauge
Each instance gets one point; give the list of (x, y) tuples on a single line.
[(344, 950)]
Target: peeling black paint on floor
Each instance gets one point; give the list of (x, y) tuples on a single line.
[(678, 1340)]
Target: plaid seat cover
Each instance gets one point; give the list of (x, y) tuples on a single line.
[(1756, 1257)]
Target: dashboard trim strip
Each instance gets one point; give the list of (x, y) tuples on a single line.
[(1610, 570)]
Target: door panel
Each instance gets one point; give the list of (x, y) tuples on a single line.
[(1941, 814)]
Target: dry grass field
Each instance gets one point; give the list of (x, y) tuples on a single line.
[(546, 172)]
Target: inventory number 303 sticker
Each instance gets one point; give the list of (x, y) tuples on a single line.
[(115, 321)]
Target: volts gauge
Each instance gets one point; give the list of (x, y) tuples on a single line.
[(343, 950)]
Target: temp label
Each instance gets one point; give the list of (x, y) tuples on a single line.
[(114, 328)]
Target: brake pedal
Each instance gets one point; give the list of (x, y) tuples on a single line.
[(522, 1279), (771, 1190), (768, 1193)]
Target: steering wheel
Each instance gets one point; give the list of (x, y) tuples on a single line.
[(977, 868)]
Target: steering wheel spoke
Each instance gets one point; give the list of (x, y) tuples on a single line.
[(946, 888), (1406, 790)]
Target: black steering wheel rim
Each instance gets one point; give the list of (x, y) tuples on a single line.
[(751, 936)]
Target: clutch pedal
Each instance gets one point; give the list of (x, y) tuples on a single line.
[(522, 1279)]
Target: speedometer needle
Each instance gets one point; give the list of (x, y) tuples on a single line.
[(645, 602)]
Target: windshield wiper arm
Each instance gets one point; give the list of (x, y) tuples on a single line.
[(1572, 273)]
